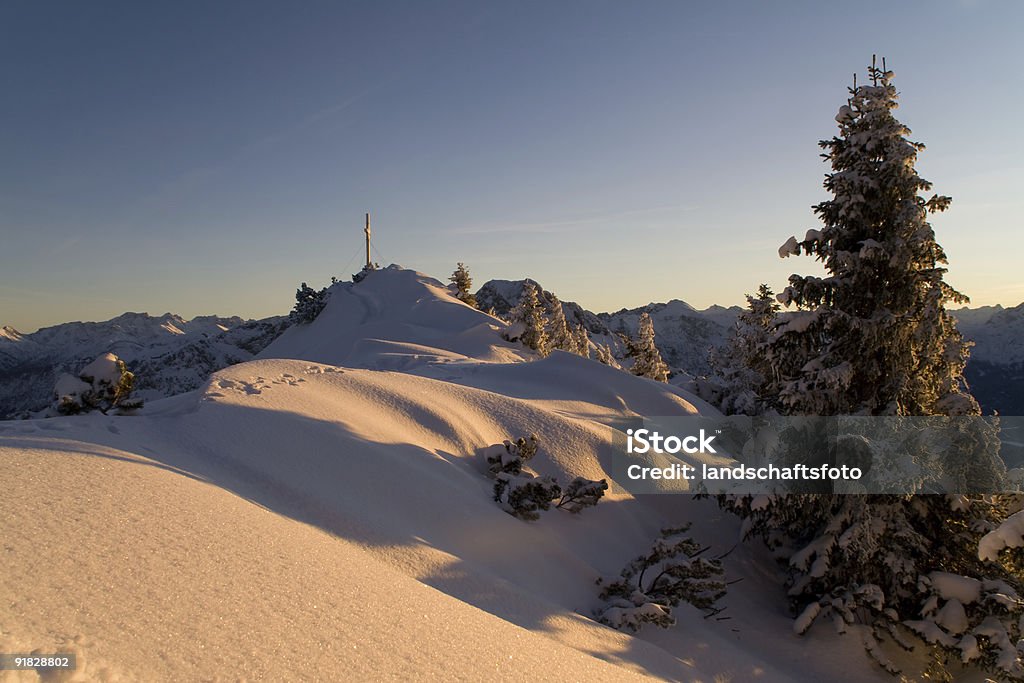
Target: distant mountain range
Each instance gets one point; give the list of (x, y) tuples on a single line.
[(172, 355), (996, 369), (169, 355), (686, 335)]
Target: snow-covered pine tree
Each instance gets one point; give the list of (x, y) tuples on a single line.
[(884, 287), (463, 284), (647, 360), (308, 304), (559, 336), (603, 354), (581, 341), (742, 366), (529, 313), (872, 337)]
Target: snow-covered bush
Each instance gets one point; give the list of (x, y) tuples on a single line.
[(103, 385), (647, 360), (653, 584), (463, 284), (581, 493), (308, 304), (510, 456), (1009, 534), (524, 494)]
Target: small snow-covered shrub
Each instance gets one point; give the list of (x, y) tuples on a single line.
[(101, 385), (581, 493), (509, 456), (308, 304), (652, 584), (524, 494)]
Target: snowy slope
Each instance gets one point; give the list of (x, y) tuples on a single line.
[(299, 520), (167, 578), (211, 512)]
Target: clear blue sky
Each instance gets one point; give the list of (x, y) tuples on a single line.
[(206, 157)]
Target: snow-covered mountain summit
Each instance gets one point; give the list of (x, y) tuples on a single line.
[(404, 321), (392, 319)]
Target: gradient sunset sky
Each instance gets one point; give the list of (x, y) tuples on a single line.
[(206, 157)]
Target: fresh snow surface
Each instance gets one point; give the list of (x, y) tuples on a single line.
[(323, 515)]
